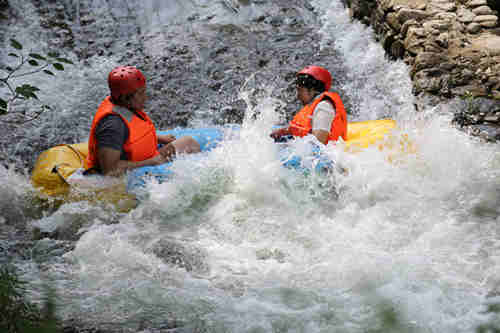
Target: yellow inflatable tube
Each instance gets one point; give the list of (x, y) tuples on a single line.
[(362, 134), (55, 165)]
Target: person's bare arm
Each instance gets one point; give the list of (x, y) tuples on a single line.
[(183, 145), (111, 165), (109, 159), (321, 135)]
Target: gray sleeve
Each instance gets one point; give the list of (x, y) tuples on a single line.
[(111, 132)]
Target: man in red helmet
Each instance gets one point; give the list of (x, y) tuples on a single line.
[(122, 135), (323, 114)]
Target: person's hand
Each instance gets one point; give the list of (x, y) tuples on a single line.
[(167, 151), (276, 134), (159, 159), (168, 138)]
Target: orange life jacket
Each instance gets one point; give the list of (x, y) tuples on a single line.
[(142, 141), (301, 123)]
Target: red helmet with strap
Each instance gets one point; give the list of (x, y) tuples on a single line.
[(320, 74), (125, 80)]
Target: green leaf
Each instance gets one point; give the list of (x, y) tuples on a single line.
[(37, 56), (46, 71), (3, 104), (66, 61), (15, 44), (53, 54), (3, 111), (33, 62), (27, 91), (21, 91), (13, 55), (58, 66)]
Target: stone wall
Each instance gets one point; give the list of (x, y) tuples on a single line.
[(451, 46)]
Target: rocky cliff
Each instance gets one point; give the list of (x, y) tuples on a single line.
[(452, 48)]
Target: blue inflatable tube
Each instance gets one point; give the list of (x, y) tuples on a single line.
[(209, 138)]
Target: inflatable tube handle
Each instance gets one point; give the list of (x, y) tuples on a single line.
[(55, 168)]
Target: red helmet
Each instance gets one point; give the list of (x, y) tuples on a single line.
[(320, 74), (125, 80)]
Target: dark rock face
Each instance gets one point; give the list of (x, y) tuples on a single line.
[(205, 70), (452, 47), (5, 10), (4, 4), (495, 5)]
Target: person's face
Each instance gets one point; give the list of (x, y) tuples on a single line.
[(304, 95), (138, 99)]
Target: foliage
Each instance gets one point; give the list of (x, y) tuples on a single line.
[(39, 64), (17, 314), (492, 326)]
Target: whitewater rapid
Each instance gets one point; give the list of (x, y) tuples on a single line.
[(236, 243)]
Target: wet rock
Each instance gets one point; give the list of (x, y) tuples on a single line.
[(474, 28), (46, 249), (267, 254), (414, 40), (485, 18), (479, 116), (482, 10), (476, 3), (465, 15), (490, 133), (181, 255), (428, 60), (361, 10), (492, 118), (438, 6), (231, 114), (489, 23), (405, 14)]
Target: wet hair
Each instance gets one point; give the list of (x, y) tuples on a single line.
[(309, 82)]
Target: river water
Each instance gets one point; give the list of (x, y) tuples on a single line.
[(235, 243)]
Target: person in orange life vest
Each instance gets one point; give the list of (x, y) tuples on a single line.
[(323, 114), (122, 135)]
